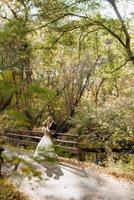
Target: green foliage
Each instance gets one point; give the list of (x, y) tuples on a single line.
[(62, 152), (125, 164), (13, 119), (68, 60), (17, 118), (110, 123), (84, 117), (38, 90), (6, 89)]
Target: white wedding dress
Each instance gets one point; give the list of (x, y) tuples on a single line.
[(45, 150)]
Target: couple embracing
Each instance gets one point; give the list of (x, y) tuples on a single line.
[(45, 149)]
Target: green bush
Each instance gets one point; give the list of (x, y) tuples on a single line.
[(110, 124)]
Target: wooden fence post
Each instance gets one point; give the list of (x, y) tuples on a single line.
[(1, 160), (81, 154), (97, 157)]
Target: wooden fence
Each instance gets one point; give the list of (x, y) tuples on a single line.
[(32, 138), (71, 145)]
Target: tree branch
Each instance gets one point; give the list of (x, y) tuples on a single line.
[(112, 2), (124, 28), (118, 68), (39, 115), (98, 90), (10, 8)]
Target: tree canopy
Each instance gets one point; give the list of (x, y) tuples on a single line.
[(71, 60)]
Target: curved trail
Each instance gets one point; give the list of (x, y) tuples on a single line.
[(63, 182)]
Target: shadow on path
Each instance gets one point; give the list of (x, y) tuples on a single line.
[(74, 170), (52, 170)]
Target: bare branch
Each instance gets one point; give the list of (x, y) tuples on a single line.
[(11, 9), (112, 2), (5, 17), (124, 29), (118, 68), (55, 42), (39, 115), (98, 90)]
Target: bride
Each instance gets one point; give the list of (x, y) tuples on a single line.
[(45, 150)]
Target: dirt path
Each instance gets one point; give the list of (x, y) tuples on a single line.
[(63, 182)]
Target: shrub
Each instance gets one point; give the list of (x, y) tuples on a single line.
[(9, 192)]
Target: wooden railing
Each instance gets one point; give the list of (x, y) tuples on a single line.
[(71, 145), (32, 138), (1, 160)]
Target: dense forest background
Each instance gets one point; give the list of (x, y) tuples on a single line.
[(72, 60)]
